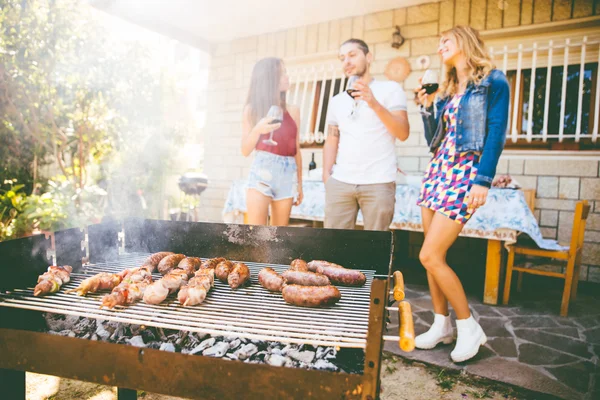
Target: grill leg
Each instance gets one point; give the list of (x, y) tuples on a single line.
[(126, 394), (12, 384)]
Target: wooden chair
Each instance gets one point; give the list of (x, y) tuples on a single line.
[(572, 256)]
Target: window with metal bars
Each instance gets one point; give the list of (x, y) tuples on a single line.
[(546, 126)]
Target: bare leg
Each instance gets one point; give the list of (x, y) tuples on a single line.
[(280, 212), (257, 206), (440, 303), (441, 235)]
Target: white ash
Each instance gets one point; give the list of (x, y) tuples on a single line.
[(229, 347)]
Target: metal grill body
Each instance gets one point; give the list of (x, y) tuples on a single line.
[(252, 312)]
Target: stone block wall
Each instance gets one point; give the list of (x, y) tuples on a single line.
[(559, 180)]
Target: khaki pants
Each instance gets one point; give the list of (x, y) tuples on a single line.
[(342, 201)]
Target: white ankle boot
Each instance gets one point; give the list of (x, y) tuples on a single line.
[(440, 332), (469, 336)]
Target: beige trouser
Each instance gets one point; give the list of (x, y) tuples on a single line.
[(342, 201)]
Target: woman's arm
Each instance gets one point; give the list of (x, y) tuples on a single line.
[(251, 134), (295, 113), (496, 123)]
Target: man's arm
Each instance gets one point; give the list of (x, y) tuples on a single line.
[(330, 150), (396, 122)]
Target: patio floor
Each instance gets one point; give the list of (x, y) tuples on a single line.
[(529, 344)]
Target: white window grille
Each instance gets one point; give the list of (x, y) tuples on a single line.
[(311, 89), (555, 95)]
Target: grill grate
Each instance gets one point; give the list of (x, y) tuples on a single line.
[(250, 312)]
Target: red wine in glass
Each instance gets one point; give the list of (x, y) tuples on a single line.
[(430, 88), (350, 91)]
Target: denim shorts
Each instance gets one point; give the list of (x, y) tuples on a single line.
[(273, 175)]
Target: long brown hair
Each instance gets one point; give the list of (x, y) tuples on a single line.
[(264, 88), (479, 61)]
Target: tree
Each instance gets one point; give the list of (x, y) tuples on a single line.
[(76, 98)]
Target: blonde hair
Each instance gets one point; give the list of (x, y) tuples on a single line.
[(479, 62)]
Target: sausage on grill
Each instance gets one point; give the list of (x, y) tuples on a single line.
[(298, 265), (169, 262), (314, 264), (311, 296), (155, 258), (305, 278), (223, 269), (337, 274), (190, 265), (270, 280), (239, 275), (211, 263)]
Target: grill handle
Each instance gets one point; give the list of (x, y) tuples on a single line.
[(398, 286), (406, 328)]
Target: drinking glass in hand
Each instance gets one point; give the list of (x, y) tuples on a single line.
[(276, 115), (429, 82), (350, 89)]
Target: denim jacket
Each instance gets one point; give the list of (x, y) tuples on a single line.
[(481, 119)]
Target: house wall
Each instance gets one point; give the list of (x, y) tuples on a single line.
[(560, 178)]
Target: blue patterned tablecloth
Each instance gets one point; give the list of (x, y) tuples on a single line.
[(504, 216)]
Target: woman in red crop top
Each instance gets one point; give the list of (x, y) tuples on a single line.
[(275, 177)]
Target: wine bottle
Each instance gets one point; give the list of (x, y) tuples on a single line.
[(312, 165)]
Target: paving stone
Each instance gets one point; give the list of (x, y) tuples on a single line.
[(588, 322), (484, 311), (426, 316), (561, 343), (420, 328), (504, 347), (533, 322), (439, 356), (593, 335), (533, 354), (515, 373), (565, 322), (505, 311), (424, 303), (494, 327), (484, 353), (565, 331), (576, 375)]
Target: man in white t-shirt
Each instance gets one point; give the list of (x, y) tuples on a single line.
[(359, 157)]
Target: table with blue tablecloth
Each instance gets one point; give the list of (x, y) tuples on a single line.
[(504, 216)]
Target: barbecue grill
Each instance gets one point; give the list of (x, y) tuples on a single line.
[(357, 321)]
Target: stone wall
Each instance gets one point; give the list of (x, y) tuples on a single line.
[(559, 180)]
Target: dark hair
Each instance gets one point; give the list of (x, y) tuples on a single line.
[(264, 88), (361, 44)]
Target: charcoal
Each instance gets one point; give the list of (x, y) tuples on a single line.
[(234, 344), (324, 365), (120, 330), (168, 347), (137, 341), (302, 356), (148, 335), (203, 346), (277, 360), (102, 333), (217, 350), (246, 351)]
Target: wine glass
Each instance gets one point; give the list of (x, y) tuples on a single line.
[(429, 82), (350, 89), (276, 115)]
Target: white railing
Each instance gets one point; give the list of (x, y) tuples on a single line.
[(553, 53), (303, 92), (533, 56)]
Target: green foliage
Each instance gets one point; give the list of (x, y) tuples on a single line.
[(77, 99)]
